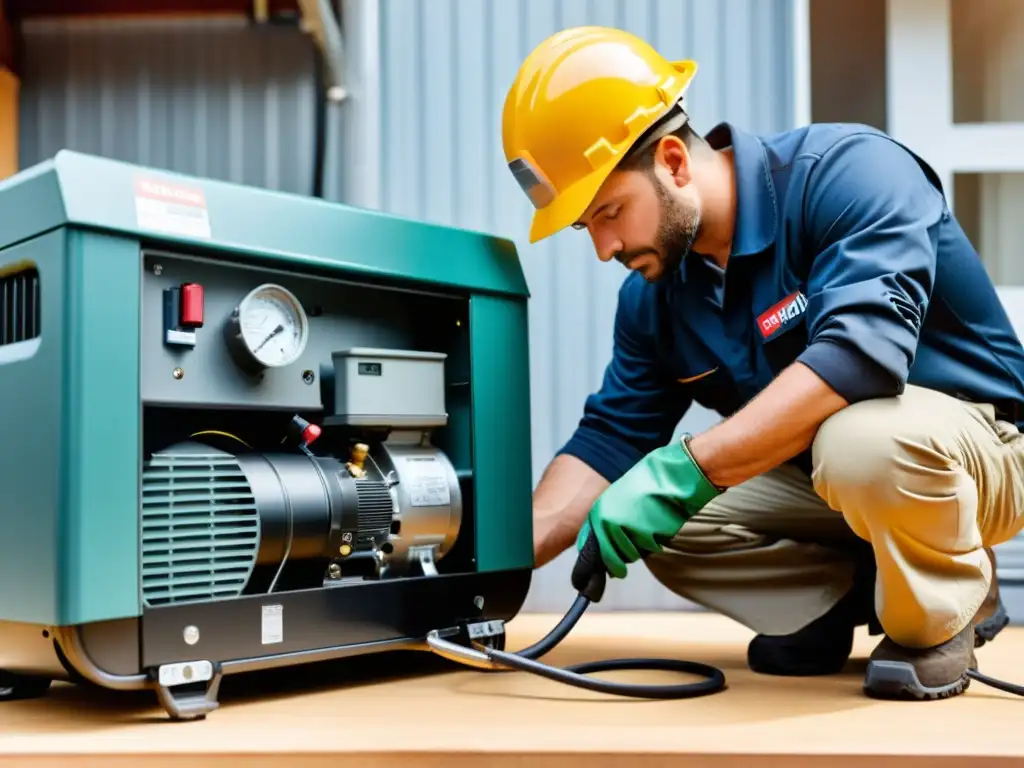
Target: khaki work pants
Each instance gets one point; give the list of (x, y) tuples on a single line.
[(929, 481)]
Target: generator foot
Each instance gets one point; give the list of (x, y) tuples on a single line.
[(189, 704), (15, 687)]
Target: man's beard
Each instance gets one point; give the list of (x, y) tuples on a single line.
[(678, 227)]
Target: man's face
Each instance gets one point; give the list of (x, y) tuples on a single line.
[(644, 220)]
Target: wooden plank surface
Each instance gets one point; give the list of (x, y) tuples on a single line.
[(351, 714)]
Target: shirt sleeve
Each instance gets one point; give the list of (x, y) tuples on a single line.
[(871, 219), (636, 409)]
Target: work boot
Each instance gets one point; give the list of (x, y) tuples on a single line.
[(991, 617), (921, 674), (823, 646)]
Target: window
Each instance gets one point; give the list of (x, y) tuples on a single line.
[(987, 68)]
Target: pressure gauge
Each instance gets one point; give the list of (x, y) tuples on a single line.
[(268, 329)]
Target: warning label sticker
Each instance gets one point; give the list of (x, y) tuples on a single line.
[(167, 207), (427, 482)]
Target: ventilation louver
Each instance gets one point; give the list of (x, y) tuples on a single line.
[(200, 526), (19, 306)]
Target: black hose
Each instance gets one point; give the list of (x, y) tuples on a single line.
[(1000, 685), (576, 675), (589, 577)]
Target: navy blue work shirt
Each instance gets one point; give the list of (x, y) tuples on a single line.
[(846, 258)]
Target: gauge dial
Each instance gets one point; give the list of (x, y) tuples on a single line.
[(272, 326)]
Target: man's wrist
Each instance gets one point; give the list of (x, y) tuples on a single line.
[(706, 490)]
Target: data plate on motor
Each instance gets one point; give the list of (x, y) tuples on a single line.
[(426, 481)]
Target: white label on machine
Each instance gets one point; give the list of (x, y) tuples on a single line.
[(273, 624), (172, 208), (426, 482)]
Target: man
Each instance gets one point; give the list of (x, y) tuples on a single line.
[(813, 288)]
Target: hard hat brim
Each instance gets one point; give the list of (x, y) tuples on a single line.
[(568, 207)]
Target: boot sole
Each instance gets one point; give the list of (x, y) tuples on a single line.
[(898, 680)]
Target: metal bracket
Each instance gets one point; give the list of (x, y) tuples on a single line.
[(479, 630), (425, 557), (191, 705)]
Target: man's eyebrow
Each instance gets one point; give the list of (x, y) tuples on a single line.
[(581, 225)]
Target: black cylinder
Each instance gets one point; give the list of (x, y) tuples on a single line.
[(304, 494)]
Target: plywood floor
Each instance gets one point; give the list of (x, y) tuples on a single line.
[(352, 713)]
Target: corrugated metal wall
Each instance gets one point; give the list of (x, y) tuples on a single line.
[(421, 135), (214, 97), (443, 68)]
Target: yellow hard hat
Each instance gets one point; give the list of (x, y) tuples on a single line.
[(579, 102)]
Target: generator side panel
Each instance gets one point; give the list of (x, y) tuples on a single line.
[(32, 336), (99, 520), (500, 361)]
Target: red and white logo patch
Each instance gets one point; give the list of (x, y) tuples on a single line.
[(778, 316)]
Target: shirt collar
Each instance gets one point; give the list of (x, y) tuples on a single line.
[(755, 192)]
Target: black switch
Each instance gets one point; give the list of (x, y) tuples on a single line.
[(171, 309), (174, 334)]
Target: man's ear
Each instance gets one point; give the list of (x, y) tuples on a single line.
[(671, 154)]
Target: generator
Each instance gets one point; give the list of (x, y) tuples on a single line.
[(247, 429)]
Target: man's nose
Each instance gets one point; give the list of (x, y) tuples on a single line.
[(606, 246)]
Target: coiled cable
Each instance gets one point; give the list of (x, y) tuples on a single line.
[(578, 674), (591, 587)]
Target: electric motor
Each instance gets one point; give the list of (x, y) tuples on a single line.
[(213, 520)]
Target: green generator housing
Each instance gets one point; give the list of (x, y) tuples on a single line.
[(248, 429)]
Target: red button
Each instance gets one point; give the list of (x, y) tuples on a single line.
[(311, 433), (191, 305)]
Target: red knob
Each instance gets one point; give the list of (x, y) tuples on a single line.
[(310, 434), (191, 305)]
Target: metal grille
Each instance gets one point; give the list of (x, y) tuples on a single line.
[(19, 306), (200, 528), (375, 509)]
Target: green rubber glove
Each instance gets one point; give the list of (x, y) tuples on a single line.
[(647, 506)]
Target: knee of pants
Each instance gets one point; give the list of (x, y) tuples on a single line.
[(875, 458)]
